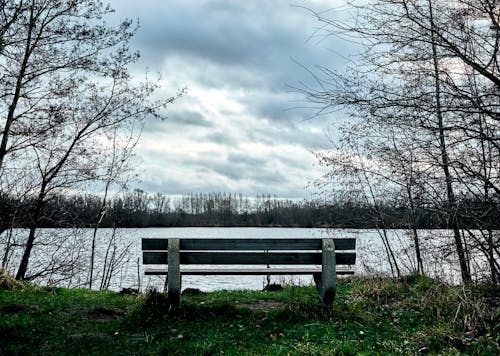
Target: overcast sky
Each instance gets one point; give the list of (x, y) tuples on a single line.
[(239, 128)]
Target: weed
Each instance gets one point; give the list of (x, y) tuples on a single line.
[(7, 282)]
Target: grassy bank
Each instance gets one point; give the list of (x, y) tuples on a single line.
[(370, 316)]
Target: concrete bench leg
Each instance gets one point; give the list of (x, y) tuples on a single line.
[(326, 280), (174, 273)]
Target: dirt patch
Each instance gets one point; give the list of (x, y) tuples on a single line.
[(74, 310), (129, 291), (99, 313), (99, 336), (6, 332), (18, 308), (103, 313), (273, 288), (104, 336), (263, 305), (193, 291), (137, 337)]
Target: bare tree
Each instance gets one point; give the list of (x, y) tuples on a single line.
[(51, 45), (9, 14), (65, 89), (115, 167), (117, 255), (413, 76)]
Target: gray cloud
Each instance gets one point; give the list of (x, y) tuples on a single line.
[(225, 33), (189, 118), (246, 159), (263, 175), (281, 106), (244, 50), (178, 118), (223, 138), (259, 37)]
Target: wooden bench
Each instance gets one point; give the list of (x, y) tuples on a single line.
[(317, 257)]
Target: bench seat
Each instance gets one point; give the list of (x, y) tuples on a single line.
[(243, 271)]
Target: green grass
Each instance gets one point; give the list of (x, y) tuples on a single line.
[(411, 315)]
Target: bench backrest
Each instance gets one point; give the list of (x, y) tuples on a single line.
[(265, 251)]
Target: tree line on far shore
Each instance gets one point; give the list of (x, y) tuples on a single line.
[(141, 209)]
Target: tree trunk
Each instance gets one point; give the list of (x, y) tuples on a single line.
[(17, 92), (451, 203), (409, 185), (37, 213), (100, 215)]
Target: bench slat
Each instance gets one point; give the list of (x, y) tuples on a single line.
[(248, 258), (248, 244), (244, 271)]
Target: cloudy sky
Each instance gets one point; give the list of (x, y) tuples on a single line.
[(239, 128)]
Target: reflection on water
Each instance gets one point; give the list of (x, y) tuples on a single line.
[(66, 254)]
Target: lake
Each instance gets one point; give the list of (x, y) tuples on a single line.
[(64, 255)]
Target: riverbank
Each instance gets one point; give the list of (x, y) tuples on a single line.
[(372, 316)]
